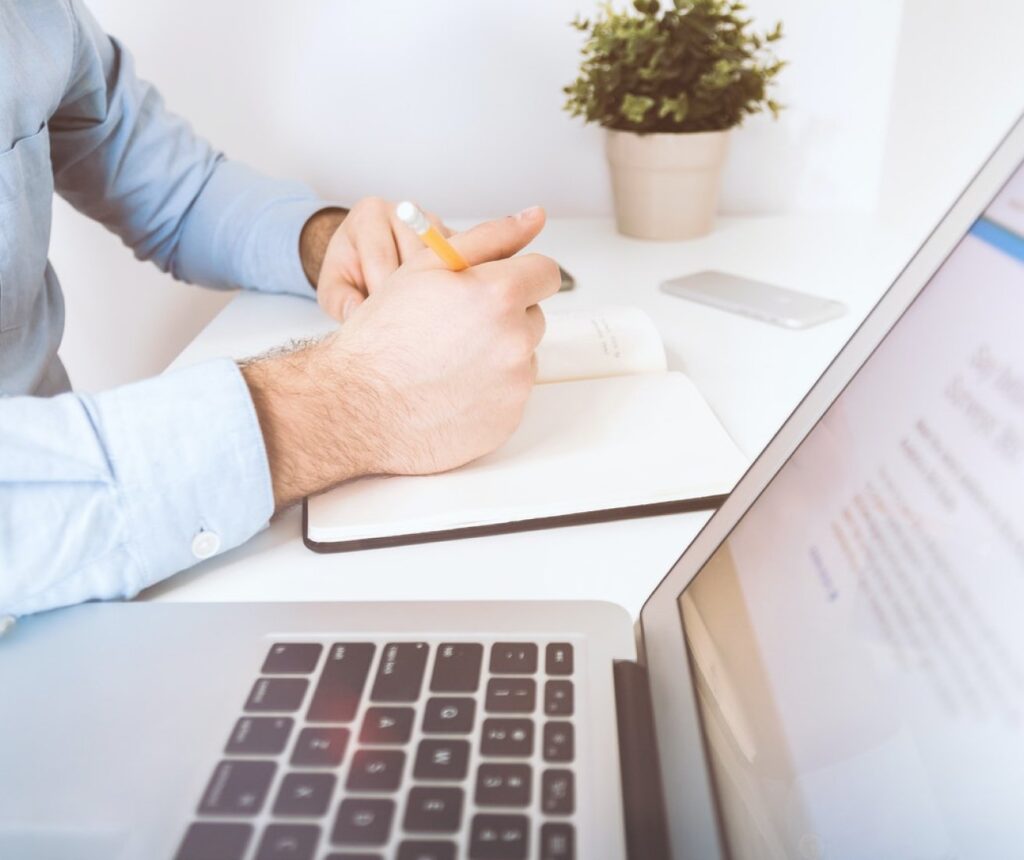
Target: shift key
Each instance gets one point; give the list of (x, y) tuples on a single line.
[(400, 675), (337, 694)]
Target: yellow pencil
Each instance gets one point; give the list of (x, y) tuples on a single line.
[(410, 215)]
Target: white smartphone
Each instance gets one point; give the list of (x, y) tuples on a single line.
[(756, 299)]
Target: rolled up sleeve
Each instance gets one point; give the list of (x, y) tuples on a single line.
[(243, 230), (101, 496), (124, 160)]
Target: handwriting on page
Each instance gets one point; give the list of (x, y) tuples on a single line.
[(606, 337), (590, 344)]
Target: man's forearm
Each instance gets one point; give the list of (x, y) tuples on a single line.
[(315, 414), (293, 413), (316, 234)]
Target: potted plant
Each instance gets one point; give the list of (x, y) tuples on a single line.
[(668, 84)]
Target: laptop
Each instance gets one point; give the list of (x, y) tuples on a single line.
[(833, 669)]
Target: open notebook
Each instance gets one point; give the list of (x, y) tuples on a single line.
[(609, 432)]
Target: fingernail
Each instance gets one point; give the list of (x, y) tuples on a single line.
[(528, 214)]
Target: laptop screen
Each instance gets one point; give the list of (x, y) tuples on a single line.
[(858, 640)]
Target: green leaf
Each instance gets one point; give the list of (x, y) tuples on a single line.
[(634, 108), (677, 107), (695, 65)]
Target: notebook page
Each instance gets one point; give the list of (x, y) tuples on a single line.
[(607, 341), (582, 446)]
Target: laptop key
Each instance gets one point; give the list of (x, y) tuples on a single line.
[(513, 658), (305, 794), (507, 737), (376, 770), (557, 842), (449, 716), (259, 736), (276, 694), (337, 694), (457, 667), (348, 856), (499, 837), (363, 821), (320, 747), (400, 674), (441, 760), (433, 810), (503, 785), (292, 658), (214, 840), (426, 851), (557, 792), (237, 787), (558, 658), (558, 698), (387, 726), (559, 741), (511, 695), (288, 842)]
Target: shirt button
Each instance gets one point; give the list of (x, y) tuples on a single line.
[(205, 544)]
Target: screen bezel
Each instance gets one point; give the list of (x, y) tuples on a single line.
[(693, 820)]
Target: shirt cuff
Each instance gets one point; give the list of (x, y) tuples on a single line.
[(275, 246), (243, 231), (189, 461)]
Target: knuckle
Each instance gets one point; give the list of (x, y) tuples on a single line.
[(549, 271), (538, 332), (525, 345), (519, 350), (524, 381), (542, 326), (540, 263), (503, 296)]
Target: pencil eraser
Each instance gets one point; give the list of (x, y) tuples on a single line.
[(409, 214)]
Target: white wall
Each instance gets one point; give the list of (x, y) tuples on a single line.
[(958, 89), (458, 104)]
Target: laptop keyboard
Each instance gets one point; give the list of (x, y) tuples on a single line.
[(406, 751)]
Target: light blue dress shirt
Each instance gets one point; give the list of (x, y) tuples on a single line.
[(103, 495)]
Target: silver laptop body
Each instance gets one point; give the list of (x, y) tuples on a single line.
[(817, 677)]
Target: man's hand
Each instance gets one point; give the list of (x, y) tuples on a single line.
[(347, 256), (426, 375)]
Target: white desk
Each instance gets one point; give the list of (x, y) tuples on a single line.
[(752, 373)]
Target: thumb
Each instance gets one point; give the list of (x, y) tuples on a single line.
[(497, 240), (339, 300)]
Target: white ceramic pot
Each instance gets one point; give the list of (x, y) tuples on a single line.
[(666, 185)]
